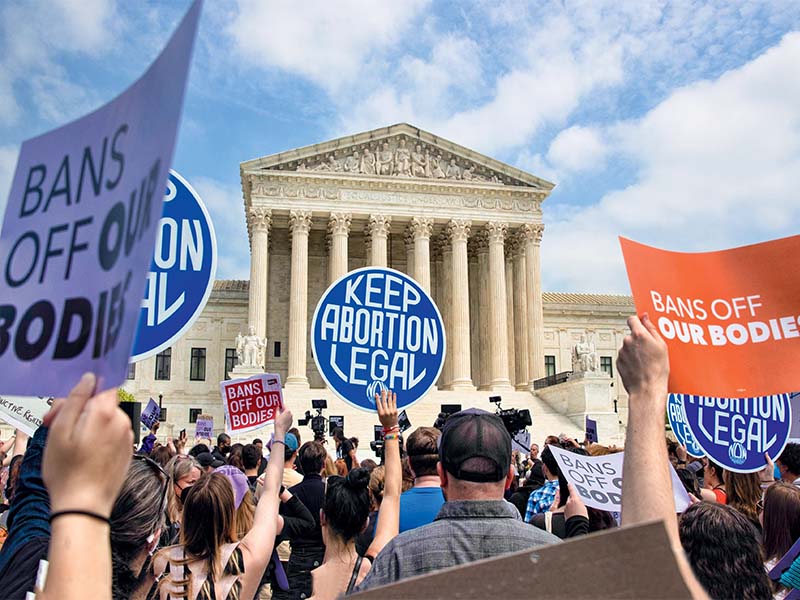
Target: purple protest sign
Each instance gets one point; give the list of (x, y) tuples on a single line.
[(591, 430), (79, 232), (150, 414), (736, 432), (204, 429)]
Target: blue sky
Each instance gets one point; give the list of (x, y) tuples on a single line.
[(674, 123)]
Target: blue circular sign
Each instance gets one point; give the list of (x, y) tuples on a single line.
[(736, 432), (376, 328), (182, 273), (677, 420)]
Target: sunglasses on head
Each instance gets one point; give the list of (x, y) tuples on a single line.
[(160, 472)]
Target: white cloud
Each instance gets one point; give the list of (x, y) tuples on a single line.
[(577, 149), (35, 39), (718, 165), (226, 207), (326, 42)]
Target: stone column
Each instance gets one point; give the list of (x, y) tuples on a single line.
[(520, 316), (482, 248), (259, 221), (339, 229), (378, 228), (498, 328), (533, 239), (458, 344), (408, 238), (446, 306), (510, 308), (422, 227), (474, 312), (299, 226)]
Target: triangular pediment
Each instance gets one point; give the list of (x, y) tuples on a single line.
[(397, 151)]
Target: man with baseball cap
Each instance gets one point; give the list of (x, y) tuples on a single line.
[(475, 522)]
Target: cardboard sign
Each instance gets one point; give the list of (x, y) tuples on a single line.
[(204, 429), (736, 432), (591, 430), (182, 271), (730, 318), (376, 328), (251, 403), (79, 231), (598, 479), (150, 414), (640, 558), (677, 420), (24, 412)]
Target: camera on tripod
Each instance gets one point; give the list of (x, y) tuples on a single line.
[(514, 419), (316, 422)]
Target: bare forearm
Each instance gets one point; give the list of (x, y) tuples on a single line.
[(646, 483), (393, 484), (75, 542)]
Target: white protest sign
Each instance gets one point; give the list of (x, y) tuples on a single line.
[(598, 479), (79, 232), (24, 412)]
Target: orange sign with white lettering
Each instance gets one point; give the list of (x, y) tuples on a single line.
[(731, 318)]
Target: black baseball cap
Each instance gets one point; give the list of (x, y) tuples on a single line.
[(475, 434), (206, 459)]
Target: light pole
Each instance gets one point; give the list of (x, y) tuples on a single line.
[(160, 398)]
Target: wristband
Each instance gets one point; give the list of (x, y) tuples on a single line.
[(391, 436), (392, 429), (83, 513), (278, 442)]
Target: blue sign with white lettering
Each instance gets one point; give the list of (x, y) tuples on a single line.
[(182, 272), (736, 432), (376, 328), (677, 420)]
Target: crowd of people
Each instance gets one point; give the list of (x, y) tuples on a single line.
[(289, 519)]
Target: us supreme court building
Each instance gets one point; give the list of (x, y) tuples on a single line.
[(467, 227)]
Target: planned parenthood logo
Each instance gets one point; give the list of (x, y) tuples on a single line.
[(736, 432), (374, 329)]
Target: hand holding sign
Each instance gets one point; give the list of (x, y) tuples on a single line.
[(643, 362)]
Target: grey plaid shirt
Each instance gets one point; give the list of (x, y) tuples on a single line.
[(464, 531)]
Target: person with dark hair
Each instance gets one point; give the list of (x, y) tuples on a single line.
[(251, 457), (308, 550), (223, 447), (420, 505), (780, 520), (235, 456), (788, 464), (369, 464), (690, 482), (542, 499), (533, 481), (476, 522), (723, 549), (344, 449), (162, 455), (714, 480), (199, 449), (346, 508)]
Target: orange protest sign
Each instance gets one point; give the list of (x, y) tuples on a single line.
[(731, 318)]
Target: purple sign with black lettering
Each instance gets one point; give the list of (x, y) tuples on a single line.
[(79, 231), (737, 432)]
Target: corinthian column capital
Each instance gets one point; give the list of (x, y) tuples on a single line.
[(532, 232), (459, 229), (422, 227), (300, 221), (496, 232), (379, 225), (339, 223), (259, 218)]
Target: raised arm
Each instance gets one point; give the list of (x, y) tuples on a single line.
[(643, 364), (83, 485), (389, 515), (257, 545)]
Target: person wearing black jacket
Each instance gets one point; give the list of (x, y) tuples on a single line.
[(308, 550), (534, 481)]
